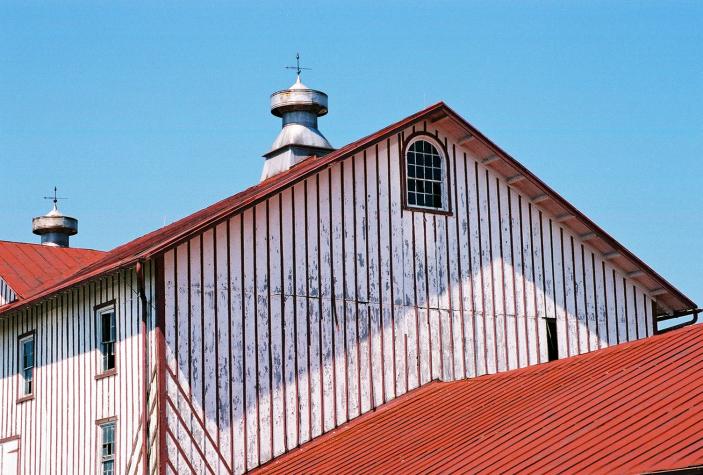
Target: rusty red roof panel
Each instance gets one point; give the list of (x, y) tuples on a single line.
[(164, 238), (631, 408), (30, 268)]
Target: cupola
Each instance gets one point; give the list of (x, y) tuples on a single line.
[(298, 107), (55, 228)]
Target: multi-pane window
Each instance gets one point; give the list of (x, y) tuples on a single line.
[(107, 449), (424, 176), (26, 364), (107, 335)]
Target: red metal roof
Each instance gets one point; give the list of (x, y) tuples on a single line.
[(164, 238), (31, 268), (631, 408)]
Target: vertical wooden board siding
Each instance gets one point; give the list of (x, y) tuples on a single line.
[(326, 286), (301, 317), (445, 344), (374, 274), (182, 346), (337, 305), (630, 309), (601, 297), (498, 266), (349, 276), (195, 366), (250, 323), (508, 271), (549, 284), (611, 304), (651, 313), (464, 256), (529, 280), (396, 247), (223, 357), (313, 292), (477, 306), (638, 305), (350, 337), (487, 270), (238, 402), (518, 271), (570, 292), (588, 329), (385, 289), (432, 300), (57, 428), (580, 297), (591, 300), (7, 295), (262, 330), (288, 329), (621, 307), (210, 329), (538, 262)]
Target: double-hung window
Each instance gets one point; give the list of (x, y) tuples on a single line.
[(26, 364), (107, 337), (107, 448)]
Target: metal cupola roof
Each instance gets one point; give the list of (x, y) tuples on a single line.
[(299, 107), (298, 97), (55, 228)]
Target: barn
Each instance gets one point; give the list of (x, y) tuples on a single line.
[(415, 297)]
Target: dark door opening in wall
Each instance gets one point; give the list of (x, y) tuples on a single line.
[(552, 341)]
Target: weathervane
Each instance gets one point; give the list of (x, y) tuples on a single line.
[(297, 66), (55, 198)]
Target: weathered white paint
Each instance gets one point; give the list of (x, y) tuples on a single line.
[(311, 307), (56, 429), (328, 299), (7, 295)]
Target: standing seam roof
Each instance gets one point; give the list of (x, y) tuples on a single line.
[(632, 408), (30, 268)]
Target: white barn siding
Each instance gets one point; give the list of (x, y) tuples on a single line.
[(7, 295), (329, 298), (57, 428)]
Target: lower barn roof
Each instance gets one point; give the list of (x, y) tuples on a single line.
[(632, 408), (30, 268)]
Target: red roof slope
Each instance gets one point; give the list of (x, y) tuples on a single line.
[(157, 241), (631, 408), (30, 268)]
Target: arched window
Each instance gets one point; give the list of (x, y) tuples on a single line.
[(425, 176)]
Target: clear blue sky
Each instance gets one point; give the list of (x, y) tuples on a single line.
[(143, 112)]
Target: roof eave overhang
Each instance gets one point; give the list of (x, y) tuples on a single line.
[(668, 297)]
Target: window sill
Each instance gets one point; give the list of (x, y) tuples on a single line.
[(28, 397), (416, 209), (106, 374)]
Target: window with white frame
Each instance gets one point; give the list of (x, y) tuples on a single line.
[(107, 336), (26, 364), (107, 448), (425, 176)]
